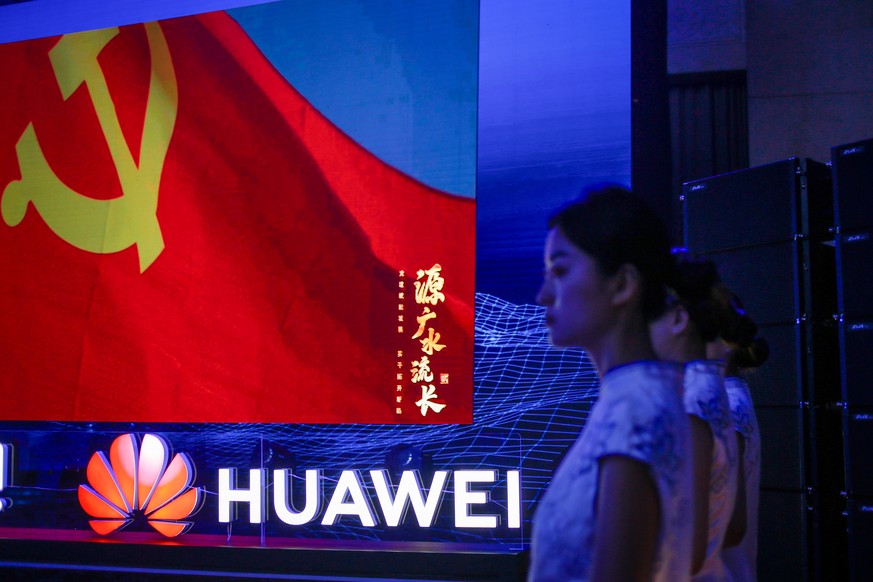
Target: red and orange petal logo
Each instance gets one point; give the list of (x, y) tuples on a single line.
[(140, 483)]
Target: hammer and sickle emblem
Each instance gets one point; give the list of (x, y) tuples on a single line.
[(90, 224)]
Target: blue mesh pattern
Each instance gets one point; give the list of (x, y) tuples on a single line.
[(531, 401)]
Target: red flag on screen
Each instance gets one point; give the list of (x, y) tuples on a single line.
[(186, 239)]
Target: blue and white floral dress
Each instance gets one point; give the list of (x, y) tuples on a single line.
[(741, 559), (706, 398), (638, 414)]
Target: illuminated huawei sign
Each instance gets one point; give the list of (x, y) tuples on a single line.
[(138, 484)]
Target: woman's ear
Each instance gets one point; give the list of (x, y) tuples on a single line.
[(626, 285), (681, 320)]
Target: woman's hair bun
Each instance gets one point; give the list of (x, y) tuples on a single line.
[(739, 331)]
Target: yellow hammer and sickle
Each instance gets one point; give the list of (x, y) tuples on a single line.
[(90, 224)]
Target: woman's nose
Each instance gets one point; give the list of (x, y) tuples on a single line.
[(544, 296)]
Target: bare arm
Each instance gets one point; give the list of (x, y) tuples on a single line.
[(701, 447), (739, 523), (628, 517)]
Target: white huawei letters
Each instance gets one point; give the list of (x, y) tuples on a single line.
[(282, 497), (229, 493), (349, 497), (394, 506)]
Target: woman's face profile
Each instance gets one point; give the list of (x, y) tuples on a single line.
[(575, 293)]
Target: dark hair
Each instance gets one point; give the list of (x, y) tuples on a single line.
[(717, 311), (616, 227), (739, 331), (695, 284)]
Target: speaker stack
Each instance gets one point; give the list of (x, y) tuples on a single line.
[(770, 229), (853, 202)]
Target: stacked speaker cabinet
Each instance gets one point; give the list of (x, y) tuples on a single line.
[(853, 203), (769, 231)]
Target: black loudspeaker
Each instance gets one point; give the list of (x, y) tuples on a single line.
[(770, 232), (802, 367), (782, 282), (766, 277), (795, 308), (855, 258), (783, 460), (783, 537), (853, 185), (860, 525), (801, 475), (858, 439), (853, 201), (778, 202), (764, 229), (778, 383), (856, 339), (801, 448)]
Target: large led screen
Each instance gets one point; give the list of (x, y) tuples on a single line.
[(283, 260), (187, 238)]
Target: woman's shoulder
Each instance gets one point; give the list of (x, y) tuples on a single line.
[(643, 379), (642, 404), (738, 393), (742, 407), (704, 379)]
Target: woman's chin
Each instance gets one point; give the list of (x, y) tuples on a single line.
[(558, 340)]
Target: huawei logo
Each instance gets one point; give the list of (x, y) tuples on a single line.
[(139, 484)]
